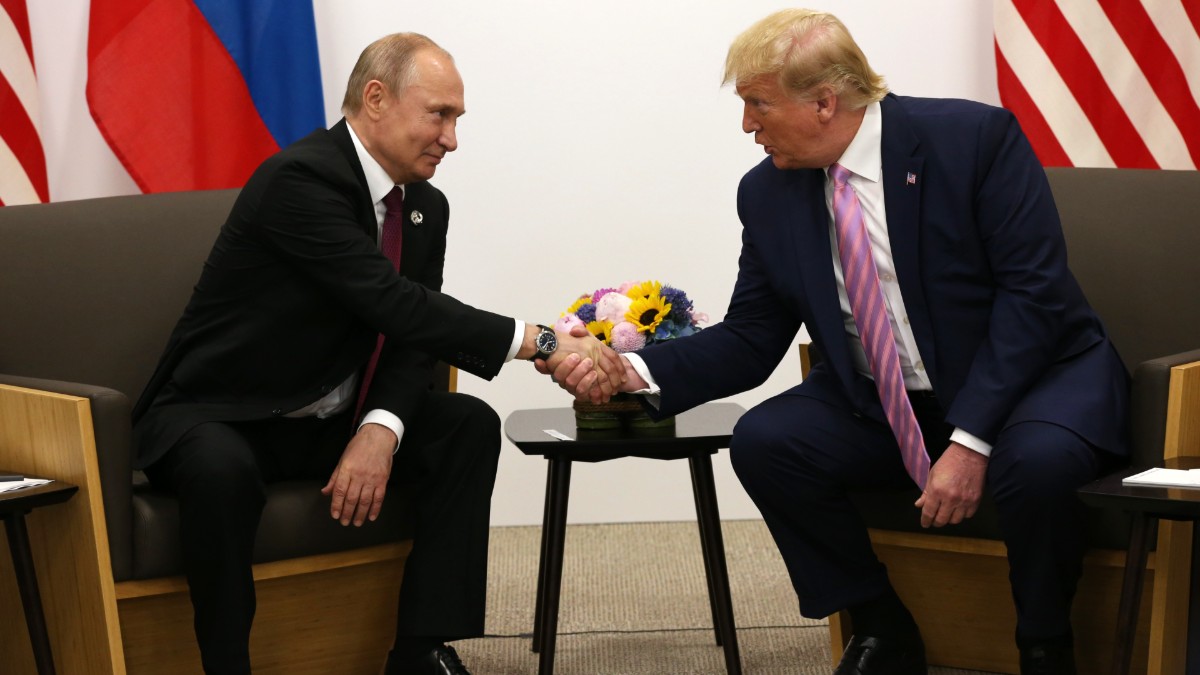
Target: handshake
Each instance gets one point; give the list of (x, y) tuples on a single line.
[(585, 367)]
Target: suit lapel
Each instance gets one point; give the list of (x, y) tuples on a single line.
[(815, 265), (902, 188), (415, 244)]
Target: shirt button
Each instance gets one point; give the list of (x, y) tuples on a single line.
[(905, 320), (888, 277), (919, 365)]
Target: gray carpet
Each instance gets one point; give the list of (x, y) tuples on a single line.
[(634, 601)]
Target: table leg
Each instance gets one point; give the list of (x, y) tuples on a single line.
[(1131, 592), (555, 526), (1193, 632), (547, 510), (31, 598), (710, 530), (704, 549)]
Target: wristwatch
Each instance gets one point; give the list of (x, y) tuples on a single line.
[(545, 343)]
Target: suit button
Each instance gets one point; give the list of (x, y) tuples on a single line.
[(277, 412), (326, 389)]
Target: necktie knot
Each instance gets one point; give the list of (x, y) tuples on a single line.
[(394, 200), (839, 174)]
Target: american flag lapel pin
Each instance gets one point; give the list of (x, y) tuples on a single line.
[(911, 179)]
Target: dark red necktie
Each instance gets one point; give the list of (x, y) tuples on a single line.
[(389, 243)]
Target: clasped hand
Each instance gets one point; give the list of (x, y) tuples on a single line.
[(593, 374)]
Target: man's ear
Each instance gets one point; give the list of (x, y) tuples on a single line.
[(827, 104), (374, 96)]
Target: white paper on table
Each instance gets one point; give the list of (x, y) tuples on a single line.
[(1185, 478), (9, 485)]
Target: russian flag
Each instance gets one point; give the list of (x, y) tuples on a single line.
[(194, 94)]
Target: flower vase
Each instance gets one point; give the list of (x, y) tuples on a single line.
[(622, 411)]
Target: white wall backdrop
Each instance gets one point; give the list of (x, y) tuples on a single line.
[(598, 148)]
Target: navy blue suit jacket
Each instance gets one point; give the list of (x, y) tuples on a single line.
[(1003, 328)]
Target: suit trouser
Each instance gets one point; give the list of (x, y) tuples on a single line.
[(798, 456), (219, 472)]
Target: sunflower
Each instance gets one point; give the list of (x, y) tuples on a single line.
[(602, 330), (646, 313), (644, 290)]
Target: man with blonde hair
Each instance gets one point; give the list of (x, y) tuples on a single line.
[(307, 351), (918, 242)]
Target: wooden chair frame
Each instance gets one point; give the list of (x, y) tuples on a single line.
[(967, 618), (316, 615)]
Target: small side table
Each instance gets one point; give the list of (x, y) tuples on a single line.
[(1146, 505), (698, 434), (13, 507)]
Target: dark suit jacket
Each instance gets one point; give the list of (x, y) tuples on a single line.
[(294, 293), (1001, 324)]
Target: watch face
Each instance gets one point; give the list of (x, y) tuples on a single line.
[(546, 342)]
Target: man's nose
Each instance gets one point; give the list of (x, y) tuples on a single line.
[(749, 124), (449, 139)]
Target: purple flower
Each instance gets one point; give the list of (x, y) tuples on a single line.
[(681, 306), (586, 313)]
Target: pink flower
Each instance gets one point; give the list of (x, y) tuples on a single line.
[(627, 338), (612, 307), (566, 322), (601, 293)]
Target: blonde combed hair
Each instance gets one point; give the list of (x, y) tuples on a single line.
[(809, 50), (390, 59)]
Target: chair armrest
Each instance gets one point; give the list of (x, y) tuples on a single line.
[(1149, 404), (112, 429)]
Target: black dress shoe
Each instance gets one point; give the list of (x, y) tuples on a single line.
[(441, 660), (876, 656), (1048, 659)]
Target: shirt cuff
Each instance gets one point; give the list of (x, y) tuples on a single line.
[(385, 419), (518, 338), (652, 390), (971, 442)]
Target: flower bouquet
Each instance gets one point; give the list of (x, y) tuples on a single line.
[(628, 318)]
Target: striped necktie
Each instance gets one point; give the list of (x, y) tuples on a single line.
[(874, 326)]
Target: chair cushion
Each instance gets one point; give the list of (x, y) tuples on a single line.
[(295, 523)]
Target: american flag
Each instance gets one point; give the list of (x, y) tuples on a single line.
[(22, 162), (1104, 83)]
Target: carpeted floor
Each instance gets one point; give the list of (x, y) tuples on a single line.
[(634, 601)]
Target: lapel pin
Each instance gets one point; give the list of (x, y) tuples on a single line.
[(911, 179), (417, 218)]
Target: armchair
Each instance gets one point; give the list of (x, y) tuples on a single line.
[(90, 291), (1132, 238)]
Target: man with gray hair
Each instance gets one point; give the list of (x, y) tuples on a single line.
[(307, 351), (918, 242)]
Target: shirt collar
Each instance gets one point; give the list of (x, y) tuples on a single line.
[(379, 184), (863, 156)]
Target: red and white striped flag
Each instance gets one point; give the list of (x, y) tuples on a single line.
[(22, 162), (1105, 83)]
